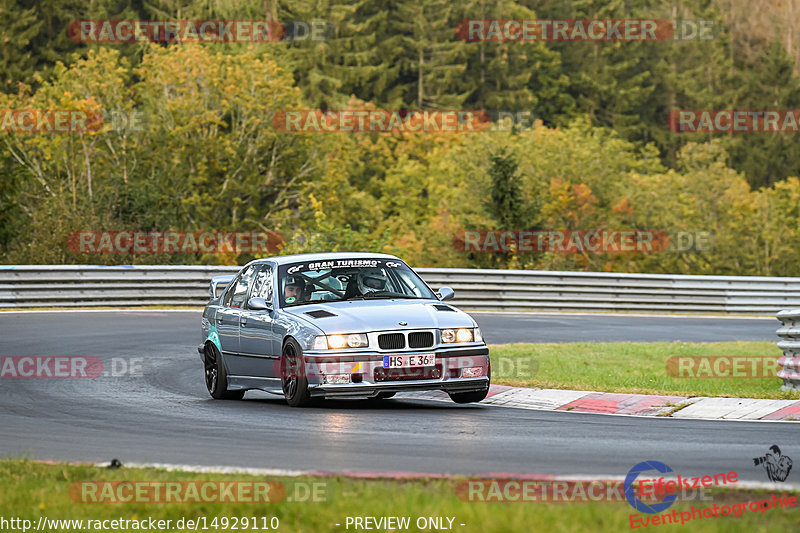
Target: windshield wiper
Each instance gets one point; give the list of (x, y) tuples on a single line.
[(396, 296), (381, 297)]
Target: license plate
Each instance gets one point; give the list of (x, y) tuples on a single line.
[(409, 361)]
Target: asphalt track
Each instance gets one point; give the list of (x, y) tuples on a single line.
[(164, 414), (503, 328)]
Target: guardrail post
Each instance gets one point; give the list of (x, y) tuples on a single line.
[(789, 332)]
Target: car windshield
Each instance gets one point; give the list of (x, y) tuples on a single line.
[(337, 280)]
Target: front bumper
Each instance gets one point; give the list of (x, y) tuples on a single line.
[(362, 390), (368, 377)]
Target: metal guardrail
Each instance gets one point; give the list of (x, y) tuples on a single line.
[(521, 290), (88, 286), (482, 289), (789, 332)]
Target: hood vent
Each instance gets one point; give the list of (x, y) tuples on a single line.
[(320, 313), (441, 307)]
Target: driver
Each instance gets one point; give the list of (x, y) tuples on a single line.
[(371, 280), (293, 290)]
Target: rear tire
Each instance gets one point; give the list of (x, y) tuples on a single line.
[(293, 375), (217, 377)]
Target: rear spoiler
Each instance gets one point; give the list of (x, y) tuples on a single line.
[(218, 284)]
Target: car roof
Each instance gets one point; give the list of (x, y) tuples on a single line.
[(298, 258)]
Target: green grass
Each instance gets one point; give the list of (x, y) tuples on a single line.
[(30, 490), (630, 367)]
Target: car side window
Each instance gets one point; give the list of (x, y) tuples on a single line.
[(262, 284), (226, 300), (239, 292)]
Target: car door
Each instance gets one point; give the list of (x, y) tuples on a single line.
[(256, 332), (229, 316)]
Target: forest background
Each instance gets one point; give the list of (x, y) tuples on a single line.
[(594, 150)]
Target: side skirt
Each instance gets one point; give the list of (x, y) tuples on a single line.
[(270, 385)]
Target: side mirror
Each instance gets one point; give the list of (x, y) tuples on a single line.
[(258, 304), (446, 293)]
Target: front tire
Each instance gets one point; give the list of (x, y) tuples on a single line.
[(468, 397), (217, 377), (476, 396), (293, 375)]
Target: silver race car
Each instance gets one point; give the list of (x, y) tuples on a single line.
[(338, 325)]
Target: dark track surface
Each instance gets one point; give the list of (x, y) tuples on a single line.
[(166, 416), (502, 328)]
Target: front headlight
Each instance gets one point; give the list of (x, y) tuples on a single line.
[(320, 343), (457, 335), (337, 342)]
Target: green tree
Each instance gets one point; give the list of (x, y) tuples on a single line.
[(18, 26), (505, 201), (206, 158)]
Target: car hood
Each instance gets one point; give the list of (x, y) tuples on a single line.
[(363, 316)]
